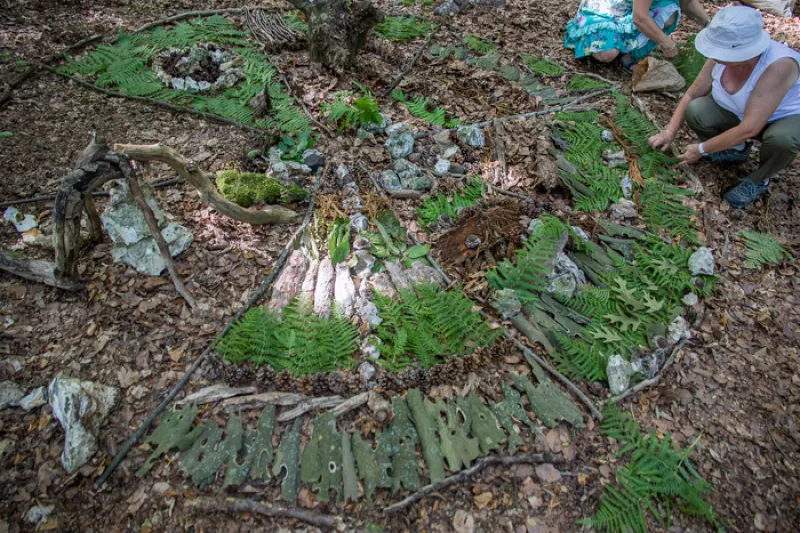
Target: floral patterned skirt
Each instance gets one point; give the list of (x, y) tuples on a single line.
[(591, 32)]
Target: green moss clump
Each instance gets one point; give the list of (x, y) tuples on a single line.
[(295, 194), (246, 188)]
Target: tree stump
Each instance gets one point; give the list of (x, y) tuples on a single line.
[(338, 29)]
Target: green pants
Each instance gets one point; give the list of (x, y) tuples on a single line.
[(780, 140)]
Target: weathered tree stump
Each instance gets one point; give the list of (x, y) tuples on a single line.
[(338, 29)]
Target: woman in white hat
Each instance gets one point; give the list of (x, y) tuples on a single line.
[(749, 88)]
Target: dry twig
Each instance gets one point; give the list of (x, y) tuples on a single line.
[(410, 66), (237, 505)]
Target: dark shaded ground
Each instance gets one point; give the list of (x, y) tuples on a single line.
[(734, 390)]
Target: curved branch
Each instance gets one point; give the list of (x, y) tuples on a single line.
[(209, 194)]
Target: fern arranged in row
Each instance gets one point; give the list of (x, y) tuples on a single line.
[(125, 67), (351, 110), (581, 82), (763, 249), (296, 20), (420, 107), (297, 340), (433, 208), (403, 28), (427, 325), (475, 44), (689, 62), (657, 478), (543, 67)]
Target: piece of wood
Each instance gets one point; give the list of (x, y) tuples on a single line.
[(208, 192), (310, 404), (350, 404), (262, 289), (236, 505), (215, 393), (380, 407), (264, 398), (155, 231), (489, 460), (500, 152), (404, 194), (344, 290), (35, 270), (408, 68), (323, 291), (289, 281)]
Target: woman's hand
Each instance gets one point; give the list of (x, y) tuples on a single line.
[(661, 140), (669, 49), (690, 155)]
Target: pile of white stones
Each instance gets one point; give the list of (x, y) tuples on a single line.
[(194, 60)]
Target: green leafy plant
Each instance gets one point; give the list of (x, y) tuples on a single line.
[(581, 82), (657, 478), (543, 67), (428, 325), (475, 44), (293, 146), (247, 188), (296, 20), (763, 249), (403, 28), (389, 241), (421, 107), (297, 340), (450, 205), (351, 110), (125, 67), (339, 240)]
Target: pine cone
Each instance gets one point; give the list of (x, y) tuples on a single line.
[(337, 383), (305, 384), (237, 376), (284, 380), (319, 385), (528, 208), (439, 375)]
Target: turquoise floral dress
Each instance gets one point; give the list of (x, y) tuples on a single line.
[(602, 25)]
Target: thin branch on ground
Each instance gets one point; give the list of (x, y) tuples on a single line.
[(547, 111), (237, 505), (410, 66), (189, 14), (265, 285), (5, 96), (490, 460), (652, 381), (300, 101), (597, 77), (155, 102), (95, 194)]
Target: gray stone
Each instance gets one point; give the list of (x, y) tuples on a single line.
[(38, 514), (623, 209), (441, 167), (314, 159), (689, 299), (534, 225), (627, 187), (619, 372), (506, 303), (580, 233), (614, 159), (21, 222), (361, 243), (416, 157), (390, 180), (564, 265), (400, 143), (701, 262), (563, 285), (343, 175), (81, 407), (420, 273), (359, 222), (450, 151), (678, 329), (36, 398), (371, 347), (375, 128), (145, 256), (362, 263), (472, 136), (443, 138), (457, 170), (405, 169), (368, 312), (279, 171), (366, 372), (607, 136), (472, 241), (344, 291), (10, 394), (418, 183)]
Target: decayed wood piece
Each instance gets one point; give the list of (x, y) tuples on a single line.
[(214, 393), (264, 509), (323, 290), (380, 407), (344, 290), (310, 404), (265, 398), (35, 270), (500, 171), (200, 179), (289, 281), (310, 281), (530, 458), (351, 404)]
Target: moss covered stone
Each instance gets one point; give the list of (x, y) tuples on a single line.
[(247, 188)]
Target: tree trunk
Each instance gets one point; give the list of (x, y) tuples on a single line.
[(338, 29)]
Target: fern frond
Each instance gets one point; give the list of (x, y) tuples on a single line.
[(403, 28), (543, 67), (433, 208), (475, 44), (763, 249), (420, 107), (581, 82)]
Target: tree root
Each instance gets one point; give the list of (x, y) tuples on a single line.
[(265, 285), (530, 458), (238, 505)]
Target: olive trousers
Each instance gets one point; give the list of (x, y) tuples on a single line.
[(780, 140)]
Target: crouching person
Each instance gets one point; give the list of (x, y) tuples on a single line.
[(749, 88)]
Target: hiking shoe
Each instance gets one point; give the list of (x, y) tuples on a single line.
[(744, 194), (731, 156)]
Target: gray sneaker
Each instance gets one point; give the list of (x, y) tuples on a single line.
[(731, 156), (744, 194)]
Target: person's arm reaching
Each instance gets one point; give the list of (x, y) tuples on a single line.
[(645, 23), (761, 105), (701, 87)]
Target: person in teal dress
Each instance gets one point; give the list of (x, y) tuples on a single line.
[(628, 29)]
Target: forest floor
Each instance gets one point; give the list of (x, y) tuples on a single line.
[(734, 391)]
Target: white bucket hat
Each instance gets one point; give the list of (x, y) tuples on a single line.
[(735, 34)]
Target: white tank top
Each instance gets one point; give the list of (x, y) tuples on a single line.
[(735, 103)]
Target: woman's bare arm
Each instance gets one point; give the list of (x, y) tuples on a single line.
[(645, 23)]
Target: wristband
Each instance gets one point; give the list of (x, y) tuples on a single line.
[(701, 149)]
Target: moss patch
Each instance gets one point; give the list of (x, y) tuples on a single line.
[(247, 188)]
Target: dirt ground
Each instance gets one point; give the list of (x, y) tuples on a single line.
[(734, 392)]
